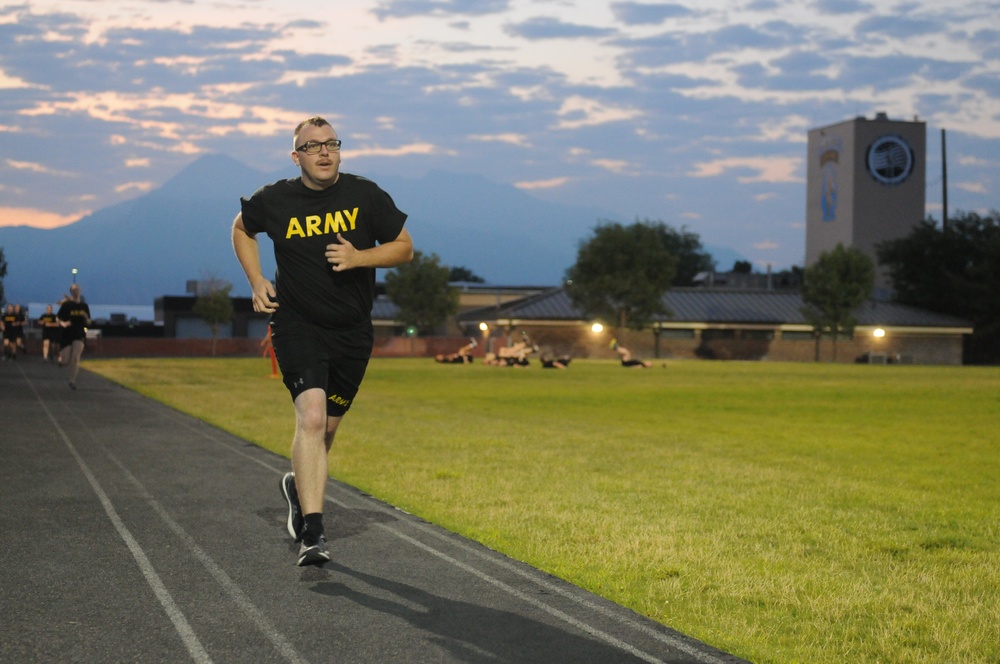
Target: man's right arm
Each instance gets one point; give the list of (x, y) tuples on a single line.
[(248, 253)]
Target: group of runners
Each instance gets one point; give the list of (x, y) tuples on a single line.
[(63, 332)]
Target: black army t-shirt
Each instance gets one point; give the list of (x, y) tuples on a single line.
[(49, 327), (10, 324), (301, 222), (77, 313)]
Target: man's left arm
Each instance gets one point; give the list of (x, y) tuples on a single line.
[(343, 255)]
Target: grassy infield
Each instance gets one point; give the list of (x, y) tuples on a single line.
[(782, 512)]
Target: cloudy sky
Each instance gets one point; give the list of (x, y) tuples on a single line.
[(694, 112)]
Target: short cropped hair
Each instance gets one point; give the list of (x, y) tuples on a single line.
[(315, 121)]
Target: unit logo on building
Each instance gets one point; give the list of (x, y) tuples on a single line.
[(829, 157), (890, 159)]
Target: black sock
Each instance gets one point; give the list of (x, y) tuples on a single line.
[(313, 524)]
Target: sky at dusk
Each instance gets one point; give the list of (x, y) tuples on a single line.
[(694, 113)]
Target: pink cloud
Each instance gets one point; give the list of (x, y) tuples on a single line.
[(36, 218)]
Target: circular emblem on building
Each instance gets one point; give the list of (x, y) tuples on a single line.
[(890, 159)]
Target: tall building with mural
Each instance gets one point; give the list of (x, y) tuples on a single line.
[(866, 184)]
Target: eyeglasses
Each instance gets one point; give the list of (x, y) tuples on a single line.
[(313, 147)]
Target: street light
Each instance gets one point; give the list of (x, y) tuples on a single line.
[(596, 328), (74, 274)]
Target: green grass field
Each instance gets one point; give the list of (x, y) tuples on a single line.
[(782, 512)]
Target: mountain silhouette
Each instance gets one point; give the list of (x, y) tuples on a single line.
[(138, 250)]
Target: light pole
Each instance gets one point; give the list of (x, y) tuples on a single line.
[(74, 274)]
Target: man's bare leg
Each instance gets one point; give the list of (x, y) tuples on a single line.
[(314, 433)]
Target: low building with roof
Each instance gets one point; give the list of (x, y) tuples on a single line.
[(729, 324), (703, 323)]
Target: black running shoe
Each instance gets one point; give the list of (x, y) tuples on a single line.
[(295, 521), (313, 550)]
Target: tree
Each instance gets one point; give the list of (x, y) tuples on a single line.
[(790, 278), (3, 273), (692, 259), (952, 270), (420, 289), (622, 273), (742, 267), (838, 283), (214, 305), (465, 275)]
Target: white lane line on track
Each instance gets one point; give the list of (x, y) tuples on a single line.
[(524, 597), (255, 615), (498, 559), (184, 630), (495, 559)]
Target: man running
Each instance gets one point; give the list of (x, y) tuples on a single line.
[(74, 317), (10, 327), (50, 333), (330, 231)]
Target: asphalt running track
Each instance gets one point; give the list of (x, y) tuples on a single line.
[(135, 533)]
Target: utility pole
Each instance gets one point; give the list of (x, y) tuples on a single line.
[(944, 182)]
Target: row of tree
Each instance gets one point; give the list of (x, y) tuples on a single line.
[(630, 265), (622, 273), (953, 269)]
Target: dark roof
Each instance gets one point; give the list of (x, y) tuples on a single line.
[(384, 309), (706, 305), (703, 305), (552, 304)]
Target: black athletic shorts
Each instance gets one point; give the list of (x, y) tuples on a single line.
[(68, 336), (333, 360)]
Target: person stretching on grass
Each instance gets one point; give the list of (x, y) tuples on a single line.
[(551, 361), (330, 231), (626, 356), (463, 356)]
